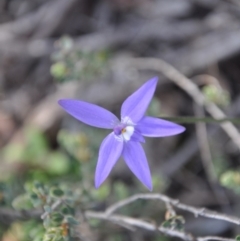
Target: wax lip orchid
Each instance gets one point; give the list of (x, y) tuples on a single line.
[(127, 134)]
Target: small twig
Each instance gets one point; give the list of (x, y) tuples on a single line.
[(120, 218), (9, 215), (190, 148), (25, 215), (131, 223), (190, 88), (214, 238), (193, 119), (53, 207), (155, 196), (150, 226)]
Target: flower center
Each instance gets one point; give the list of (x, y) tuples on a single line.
[(123, 132)]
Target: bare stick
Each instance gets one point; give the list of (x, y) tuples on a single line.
[(119, 218), (189, 87), (25, 215), (151, 226), (131, 223), (53, 207), (155, 196), (8, 215), (212, 238)]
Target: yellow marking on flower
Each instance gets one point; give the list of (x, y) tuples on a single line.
[(124, 130)]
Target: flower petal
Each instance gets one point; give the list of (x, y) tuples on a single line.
[(110, 151), (137, 137), (88, 113), (136, 160), (136, 104), (154, 127)]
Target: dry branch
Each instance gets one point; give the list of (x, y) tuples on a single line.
[(8, 215), (139, 223), (155, 196)]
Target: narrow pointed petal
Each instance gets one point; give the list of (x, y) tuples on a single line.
[(155, 127), (88, 113), (136, 160), (136, 104), (109, 153)]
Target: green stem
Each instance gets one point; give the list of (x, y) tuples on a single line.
[(192, 119)]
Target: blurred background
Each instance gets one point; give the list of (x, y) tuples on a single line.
[(83, 49)]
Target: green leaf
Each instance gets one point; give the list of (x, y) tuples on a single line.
[(238, 238), (38, 185), (167, 224), (59, 70), (13, 153), (217, 95), (47, 222), (56, 192), (56, 219), (120, 190), (72, 221), (66, 210), (57, 163), (175, 223), (36, 146), (22, 202), (231, 180), (102, 193), (34, 197)]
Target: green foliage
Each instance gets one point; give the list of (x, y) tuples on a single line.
[(47, 180), (102, 193), (55, 234), (174, 223), (56, 219), (59, 70), (57, 163), (3, 193), (159, 183), (34, 156), (231, 180), (220, 164), (83, 149), (25, 231), (120, 191), (238, 238), (22, 202), (56, 192), (161, 238), (216, 95), (76, 144), (71, 64), (59, 205)]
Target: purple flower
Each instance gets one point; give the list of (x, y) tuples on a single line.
[(126, 135)]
